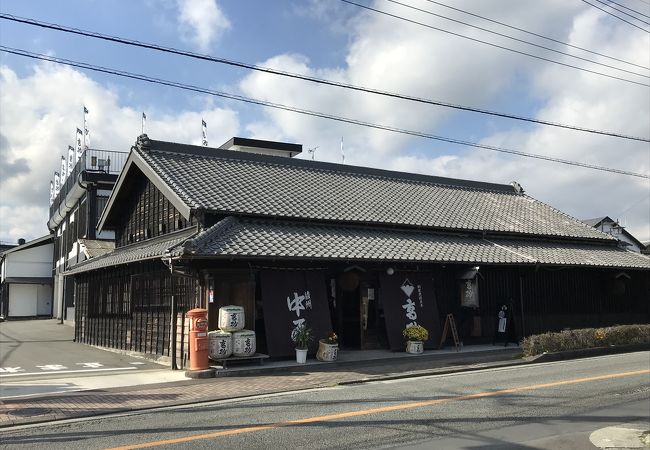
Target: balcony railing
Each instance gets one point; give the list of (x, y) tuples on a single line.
[(98, 161)]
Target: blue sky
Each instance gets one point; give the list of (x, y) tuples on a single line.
[(41, 103)]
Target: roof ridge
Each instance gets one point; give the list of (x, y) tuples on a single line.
[(150, 145)]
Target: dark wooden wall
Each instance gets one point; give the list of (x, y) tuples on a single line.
[(551, 298), (147, 214), (129, 307)]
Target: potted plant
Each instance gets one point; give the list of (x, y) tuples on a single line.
[(301, 336), (328, 348), (415, 336)]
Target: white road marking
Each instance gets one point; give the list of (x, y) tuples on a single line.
[(137, 363), (67, 371), (11, 369), (91, 365), (52, 367)]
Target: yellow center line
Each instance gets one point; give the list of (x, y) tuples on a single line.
[(383, 409)]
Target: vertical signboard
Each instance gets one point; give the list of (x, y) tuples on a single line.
[(408, 300), (291, 299)]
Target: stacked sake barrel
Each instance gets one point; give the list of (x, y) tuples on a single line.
[(231, 338)]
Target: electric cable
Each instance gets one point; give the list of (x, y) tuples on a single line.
[(557, 41), (614, 15), (516, 39), (317, 80), (629, 9), (453, 33), (609, 5), (241, 98)]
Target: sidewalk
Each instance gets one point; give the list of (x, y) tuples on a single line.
[(245, 381)]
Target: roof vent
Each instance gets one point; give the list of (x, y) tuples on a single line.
[(261, 147), (21, 241), (517, 187)]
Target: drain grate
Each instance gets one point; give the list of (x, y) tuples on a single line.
[(26, 412)]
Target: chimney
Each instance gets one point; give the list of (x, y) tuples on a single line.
[(21, 241), (262, 147)]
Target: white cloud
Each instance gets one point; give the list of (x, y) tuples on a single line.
[(395, 56), (201, 22), (39, 120)]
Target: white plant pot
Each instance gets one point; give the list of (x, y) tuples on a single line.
[(327, 352), (301, 356), (414, 347)]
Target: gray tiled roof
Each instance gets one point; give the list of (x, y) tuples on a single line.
[(238, 183), (93, 248), (577, 254), (239, 237), (140, 251)]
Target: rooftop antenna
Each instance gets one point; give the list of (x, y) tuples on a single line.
[(312, 151)]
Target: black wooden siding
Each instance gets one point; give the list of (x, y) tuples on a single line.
[(129, 307), (147, 213)]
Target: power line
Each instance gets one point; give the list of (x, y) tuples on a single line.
[(415, 22), (629, 9), (313, 79), (618, 17), (609, 5), (536, 34), (306, 112), (515, 39)]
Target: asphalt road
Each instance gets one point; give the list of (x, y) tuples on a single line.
[(552, 405), (43, 349)]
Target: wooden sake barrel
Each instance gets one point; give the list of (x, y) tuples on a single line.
[(244, 343), (220, 344), (231, 318)]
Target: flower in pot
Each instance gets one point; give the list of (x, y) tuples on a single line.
[(328, 348), (415, 336), (301, 336)]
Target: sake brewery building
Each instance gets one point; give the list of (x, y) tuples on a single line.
[(359, 251)]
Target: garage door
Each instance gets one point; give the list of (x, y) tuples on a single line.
[(23, 300)]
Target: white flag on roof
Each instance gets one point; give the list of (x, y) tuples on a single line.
[(86, 131), (80, 148), (204, 128), (64, 172)]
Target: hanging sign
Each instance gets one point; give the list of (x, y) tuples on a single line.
[(408, 299), (291, 299)]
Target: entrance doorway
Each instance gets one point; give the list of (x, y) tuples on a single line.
[(360, 317)]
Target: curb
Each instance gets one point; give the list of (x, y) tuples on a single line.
[(589, 352), (328, 366), (547, 357)]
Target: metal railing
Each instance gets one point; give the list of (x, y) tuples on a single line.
[(99, 161)]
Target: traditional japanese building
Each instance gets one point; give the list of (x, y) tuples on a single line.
[(360, 251)]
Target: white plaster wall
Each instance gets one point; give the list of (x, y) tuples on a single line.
[(32, 262)]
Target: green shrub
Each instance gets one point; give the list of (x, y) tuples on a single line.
[(586, 338)]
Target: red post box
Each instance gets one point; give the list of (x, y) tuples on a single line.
[(199, 345)]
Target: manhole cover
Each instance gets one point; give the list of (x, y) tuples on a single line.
[(26, 412)]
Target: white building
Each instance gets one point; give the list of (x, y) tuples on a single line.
[(610, 226), (26, 279)]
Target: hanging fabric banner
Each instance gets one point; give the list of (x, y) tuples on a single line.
[(80, 148), (51, 192), (70, 159), (57, 183), (409, 299), (64, 172), (86, 131), (204, 129), (290, 299)]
